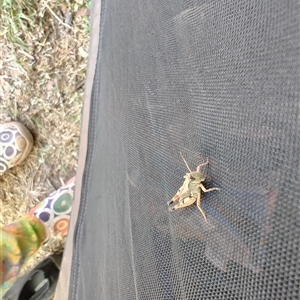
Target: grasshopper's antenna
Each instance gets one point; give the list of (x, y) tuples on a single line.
[(185, 163)]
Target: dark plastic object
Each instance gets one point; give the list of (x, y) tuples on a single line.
[(39, 284)]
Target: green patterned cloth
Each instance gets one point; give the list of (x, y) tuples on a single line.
[(18, 242)]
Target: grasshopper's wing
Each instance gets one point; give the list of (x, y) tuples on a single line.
[(183, 190)]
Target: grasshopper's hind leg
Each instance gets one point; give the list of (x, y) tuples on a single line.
[(175, 198), (183, 203)]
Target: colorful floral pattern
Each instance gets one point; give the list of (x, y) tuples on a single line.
[(55, 210)]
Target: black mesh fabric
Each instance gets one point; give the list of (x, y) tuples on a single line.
[(217, 79)]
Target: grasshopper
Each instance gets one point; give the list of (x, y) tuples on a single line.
[(190, 191)]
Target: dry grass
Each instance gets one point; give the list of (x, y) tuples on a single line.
[(44, 46), (43, 67)]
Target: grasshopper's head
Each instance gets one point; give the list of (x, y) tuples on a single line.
[(197, 176)]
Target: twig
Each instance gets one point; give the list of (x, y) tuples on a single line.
[(57, 18)]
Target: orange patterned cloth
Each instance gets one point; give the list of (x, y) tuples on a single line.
[(18, 242)]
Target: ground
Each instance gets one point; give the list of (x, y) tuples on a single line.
[(43, 59)]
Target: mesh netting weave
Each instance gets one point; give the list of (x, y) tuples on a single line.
[(217, 79)]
